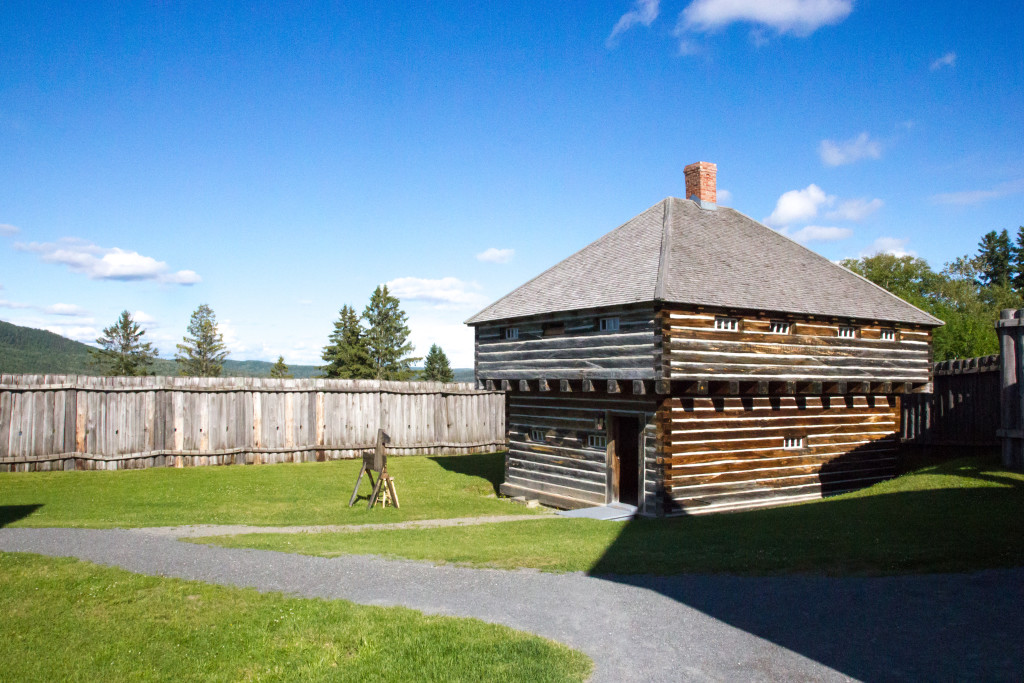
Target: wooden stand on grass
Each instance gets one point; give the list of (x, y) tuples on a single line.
[(377, 462)]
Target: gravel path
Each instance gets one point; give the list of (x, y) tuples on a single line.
[(941, 627), (200, 530)]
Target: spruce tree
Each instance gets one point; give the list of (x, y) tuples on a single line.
[(1018, 261), (436, 367), (994, 250), (122, 351), (387, 338), (346, 354), (280, 370), (203, 352)]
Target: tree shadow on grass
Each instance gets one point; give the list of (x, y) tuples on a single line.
[(12, 513), (489, 466)]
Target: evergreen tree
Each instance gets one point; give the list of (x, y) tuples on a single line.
[(1018, 261), (202, 354), (995, 252), (387, 338), (122, 351), (280, 370), (436, 367), (346, 354)]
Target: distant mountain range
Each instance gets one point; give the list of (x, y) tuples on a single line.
[(31, 351)]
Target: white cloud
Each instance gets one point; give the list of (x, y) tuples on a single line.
[(855, 209), (4, 303), (818, 233), (644, 12), (799, 17), (888, 245), (494, 255), (82, 333), (723, 195), (799, 205), (6, 229), (948, 59), (455, 339), (446, 292), (66, 309), (100, 263), (142, 317), (848, 151), (977, 196)]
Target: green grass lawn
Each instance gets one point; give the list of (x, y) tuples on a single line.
[(955, 516), (70, 620), (286, 494)]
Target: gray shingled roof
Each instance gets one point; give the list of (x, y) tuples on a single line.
[(677, 252)]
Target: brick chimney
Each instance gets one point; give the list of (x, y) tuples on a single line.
[(700, 184)]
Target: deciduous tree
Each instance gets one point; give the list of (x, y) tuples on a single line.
[(122, 351), (202, 352)]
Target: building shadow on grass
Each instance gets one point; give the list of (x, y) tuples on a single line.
[(9, 514), (489, 466), (920, 627)]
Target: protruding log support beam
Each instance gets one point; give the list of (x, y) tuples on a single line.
[(588, 386), (639, 387), (698, 387), (724, 387), (902, 387), (564, 386), (813, 388), (524, 385), (663, 386), (858, 388), (833, 387), (613, 387), (881, 387), (759, 388), (922, 388), (506, 385), (542, 384), (782, 388), (490, 385)]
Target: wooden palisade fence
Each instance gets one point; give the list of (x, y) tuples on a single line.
[(64, 422), (962, 410), (1010, 327)]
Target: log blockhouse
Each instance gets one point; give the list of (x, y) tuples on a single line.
[(694, 360)]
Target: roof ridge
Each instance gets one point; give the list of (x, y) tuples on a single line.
[(811, 251), (666, 250)]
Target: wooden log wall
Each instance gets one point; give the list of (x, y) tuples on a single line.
[(560, 468), (569, 346), (63, 422), (692, 349), (963, 410), (721, 454), (1010, 327)]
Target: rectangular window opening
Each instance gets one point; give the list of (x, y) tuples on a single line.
[(609, 324), (511, 333), (887, 334), (778, 327), (847, 332), (597, 441), (724, 323), (536, 434), (793, 442)]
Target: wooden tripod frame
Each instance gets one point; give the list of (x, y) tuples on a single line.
[(377, 462)]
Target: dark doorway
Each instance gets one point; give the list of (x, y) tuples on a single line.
[(626, 432)]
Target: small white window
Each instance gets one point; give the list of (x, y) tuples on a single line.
[(887, 334), (778, 327), (609, 324), (536, 434), (793, 442), (723, 323), (847, 332), (511, 333), (597, 441)]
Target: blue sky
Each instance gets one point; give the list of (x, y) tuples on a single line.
[(277, 162)]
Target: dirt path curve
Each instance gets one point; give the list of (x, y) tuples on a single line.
[(200, 530), (942, 627)]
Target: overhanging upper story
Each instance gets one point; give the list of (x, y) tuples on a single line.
[(691, 297)]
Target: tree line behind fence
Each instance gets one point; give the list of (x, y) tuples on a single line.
[(62, 422)]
